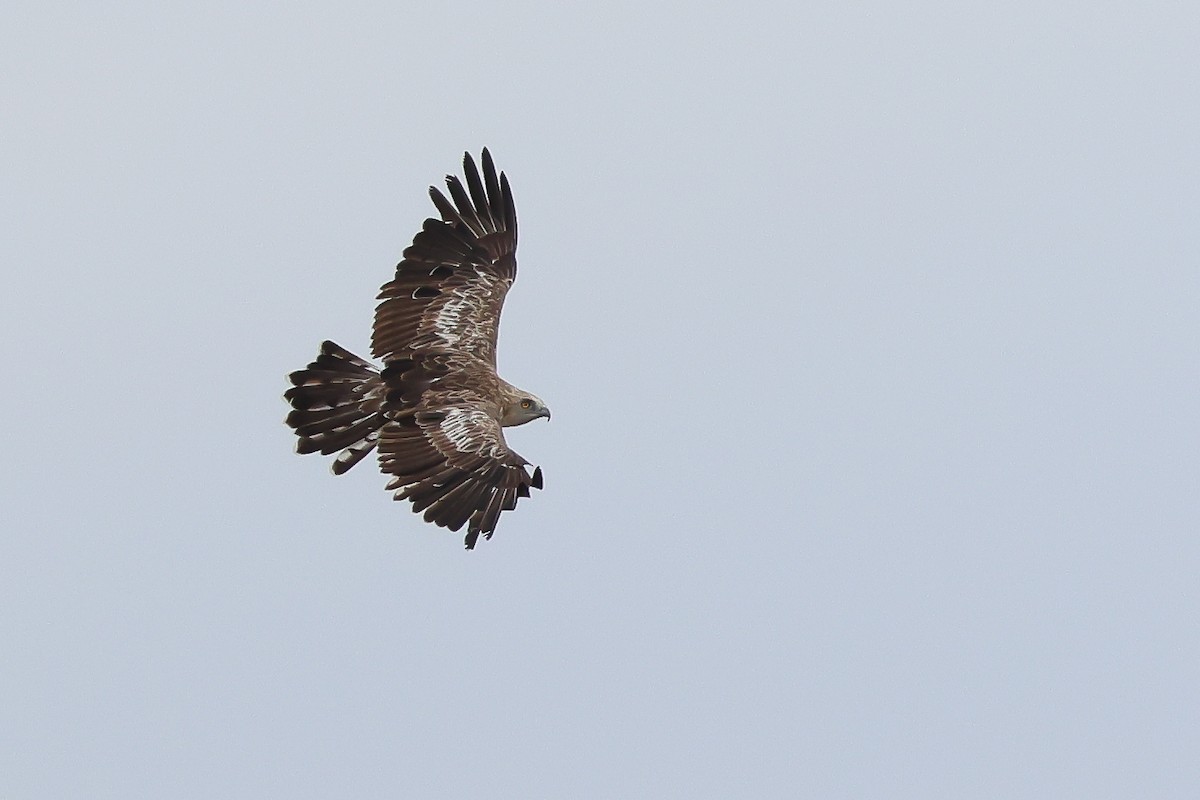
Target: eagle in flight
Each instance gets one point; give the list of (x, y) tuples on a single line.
[(437, 410)]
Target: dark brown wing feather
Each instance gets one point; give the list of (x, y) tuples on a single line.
[(450, 286), (448, 456)]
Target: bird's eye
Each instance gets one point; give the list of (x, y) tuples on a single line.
[(526, 403)]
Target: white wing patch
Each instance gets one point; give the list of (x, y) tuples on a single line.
[(448, 322), (460, 319), (472, 430)]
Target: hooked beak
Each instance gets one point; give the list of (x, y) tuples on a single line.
[(545, 413)]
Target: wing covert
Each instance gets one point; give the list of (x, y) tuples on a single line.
[(453, 464)]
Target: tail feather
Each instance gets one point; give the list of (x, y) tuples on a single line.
[(336, 404)]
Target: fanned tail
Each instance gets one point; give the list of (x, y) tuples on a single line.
[(336, 404)]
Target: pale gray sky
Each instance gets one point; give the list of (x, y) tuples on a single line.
[(871, 336)]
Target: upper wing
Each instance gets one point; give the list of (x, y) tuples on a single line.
[(454, 465), (450, 287)]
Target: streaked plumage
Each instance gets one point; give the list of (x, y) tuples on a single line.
[(436, 410)]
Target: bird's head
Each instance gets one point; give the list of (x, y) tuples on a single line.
[(524, 408)]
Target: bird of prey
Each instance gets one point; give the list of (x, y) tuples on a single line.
[(437, 410)]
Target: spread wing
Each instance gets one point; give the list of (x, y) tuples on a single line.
[(434, 411), (450, 286), (447, 452)]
